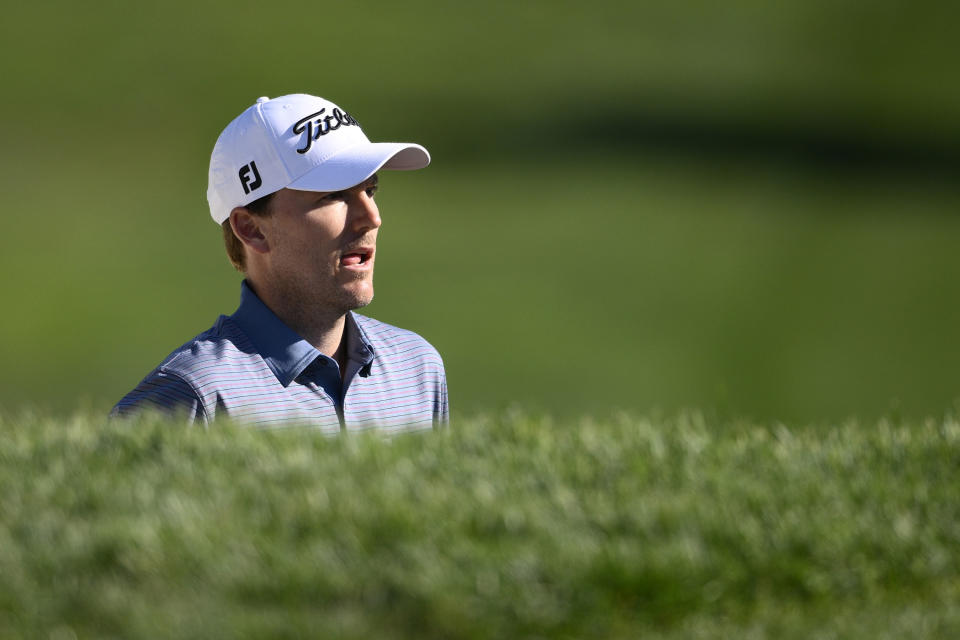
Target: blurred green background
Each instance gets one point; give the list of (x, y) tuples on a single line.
[(743, 207)]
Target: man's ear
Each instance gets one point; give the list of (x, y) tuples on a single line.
[(247, 228)]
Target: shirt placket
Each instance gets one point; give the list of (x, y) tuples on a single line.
[(322, 377)]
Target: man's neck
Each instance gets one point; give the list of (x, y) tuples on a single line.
[(316, 324), (329, 338)]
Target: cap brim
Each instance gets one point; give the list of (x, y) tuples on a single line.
[(355, 164)]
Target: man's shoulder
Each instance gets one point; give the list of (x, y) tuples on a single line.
[(387, 339), (193, 374), (222, 345)]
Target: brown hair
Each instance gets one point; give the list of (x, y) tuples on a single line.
[(260, 208)]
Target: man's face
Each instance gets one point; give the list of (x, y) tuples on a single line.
[(322, 246)]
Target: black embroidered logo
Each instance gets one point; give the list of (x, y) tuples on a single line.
[(245, 179), (317, 124)]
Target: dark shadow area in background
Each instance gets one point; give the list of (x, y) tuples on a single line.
[(832, 144)]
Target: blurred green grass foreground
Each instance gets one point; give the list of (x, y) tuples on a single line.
[(504, 526)]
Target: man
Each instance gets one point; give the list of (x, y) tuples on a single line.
[(292, 183)]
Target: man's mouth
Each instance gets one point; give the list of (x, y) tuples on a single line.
[(356, 257)]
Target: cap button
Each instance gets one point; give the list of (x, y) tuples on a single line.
[(263, 99)]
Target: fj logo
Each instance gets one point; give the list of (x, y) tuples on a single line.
[(250, 183)]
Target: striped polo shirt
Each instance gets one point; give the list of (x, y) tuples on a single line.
[(252, 367)]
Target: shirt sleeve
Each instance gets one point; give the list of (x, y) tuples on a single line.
[(162, 392)]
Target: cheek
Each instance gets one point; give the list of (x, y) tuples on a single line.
[(308, 245), (321, 254), (302, 242)]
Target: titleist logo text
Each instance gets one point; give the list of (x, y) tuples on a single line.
[(317, 124)]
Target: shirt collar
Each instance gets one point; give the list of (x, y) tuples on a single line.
[(359, 348), (284, 351)]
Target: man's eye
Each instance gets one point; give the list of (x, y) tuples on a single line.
[(334, 195), (371, 190)]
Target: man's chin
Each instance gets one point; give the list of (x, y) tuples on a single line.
[(361, 302), (358, 299)]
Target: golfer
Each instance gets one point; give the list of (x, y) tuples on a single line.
[(293, 182)]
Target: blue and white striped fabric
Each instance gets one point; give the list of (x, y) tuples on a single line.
[(253, 368)]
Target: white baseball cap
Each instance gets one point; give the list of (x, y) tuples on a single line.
[(298, 142)]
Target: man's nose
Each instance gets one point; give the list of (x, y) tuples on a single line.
[(364, 213)]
